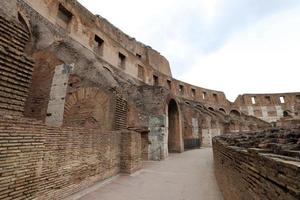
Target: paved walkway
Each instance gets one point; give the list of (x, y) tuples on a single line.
[(186, 176)]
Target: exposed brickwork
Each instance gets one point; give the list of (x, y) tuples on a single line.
[(40, 162), (21, 152), (121, 110), (131, 155), (257, 166), (15, 67)]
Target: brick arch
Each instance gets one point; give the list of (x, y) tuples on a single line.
[(89, 107)]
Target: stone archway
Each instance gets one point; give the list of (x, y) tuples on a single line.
[(175, 141)]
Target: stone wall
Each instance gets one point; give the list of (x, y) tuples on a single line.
[(258, 166), (40, 162)]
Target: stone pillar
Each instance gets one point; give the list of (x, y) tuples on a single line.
[(55, 111)]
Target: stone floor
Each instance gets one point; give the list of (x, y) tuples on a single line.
[(186, 176)]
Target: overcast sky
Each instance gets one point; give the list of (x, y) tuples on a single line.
[(235, 46)]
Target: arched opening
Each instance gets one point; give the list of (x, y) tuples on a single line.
[(174, 136), (211, 109), (235, 113), (222, 110), (286, 113), (199, 106)]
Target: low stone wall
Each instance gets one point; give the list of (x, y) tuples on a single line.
[(40, 162), (258, 166)]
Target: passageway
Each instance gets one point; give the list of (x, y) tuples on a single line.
[(174, 136), (185, 176)]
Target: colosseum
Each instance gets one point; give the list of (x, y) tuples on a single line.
[(81, 102)]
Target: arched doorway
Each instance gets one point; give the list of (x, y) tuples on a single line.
[(286, 113), (211, 109), (235, 113), (222, 110), (174, 132)]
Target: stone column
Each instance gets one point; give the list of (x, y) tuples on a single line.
[(55, 111)]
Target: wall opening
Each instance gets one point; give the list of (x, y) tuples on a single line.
[(235, 113), (253, 100), (174, 140), (99, 43), (64, 15), (297, 98), (155, 80), (286, 113), (215, 97), (169, 83), (204, 94), (122, 61), (181, 89), (282, 99), (268, 99), (222, 110), (193, 92), (211, 109)]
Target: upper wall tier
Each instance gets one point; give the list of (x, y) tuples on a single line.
[(97, 34)]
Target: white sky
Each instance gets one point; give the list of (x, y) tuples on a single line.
[(235, 46)]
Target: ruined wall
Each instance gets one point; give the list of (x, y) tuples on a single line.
[(84, 27), (262, 165), (90, 74), (269, 107), (149, 110), (40, 162)]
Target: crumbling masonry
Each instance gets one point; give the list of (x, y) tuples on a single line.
[(81, 101)]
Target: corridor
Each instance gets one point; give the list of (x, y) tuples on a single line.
[(185, 176)]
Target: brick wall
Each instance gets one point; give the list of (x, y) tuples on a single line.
[(40, 162), (131, 155), (16, 68), (264, 172)]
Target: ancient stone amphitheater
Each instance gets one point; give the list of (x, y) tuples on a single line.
[(81, 101)]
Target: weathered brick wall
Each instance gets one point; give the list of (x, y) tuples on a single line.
[(15, 67), (40, 162), (258, 173), (21, 152), (131, 155)]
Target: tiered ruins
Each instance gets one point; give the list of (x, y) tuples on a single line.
[(81, 101)]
